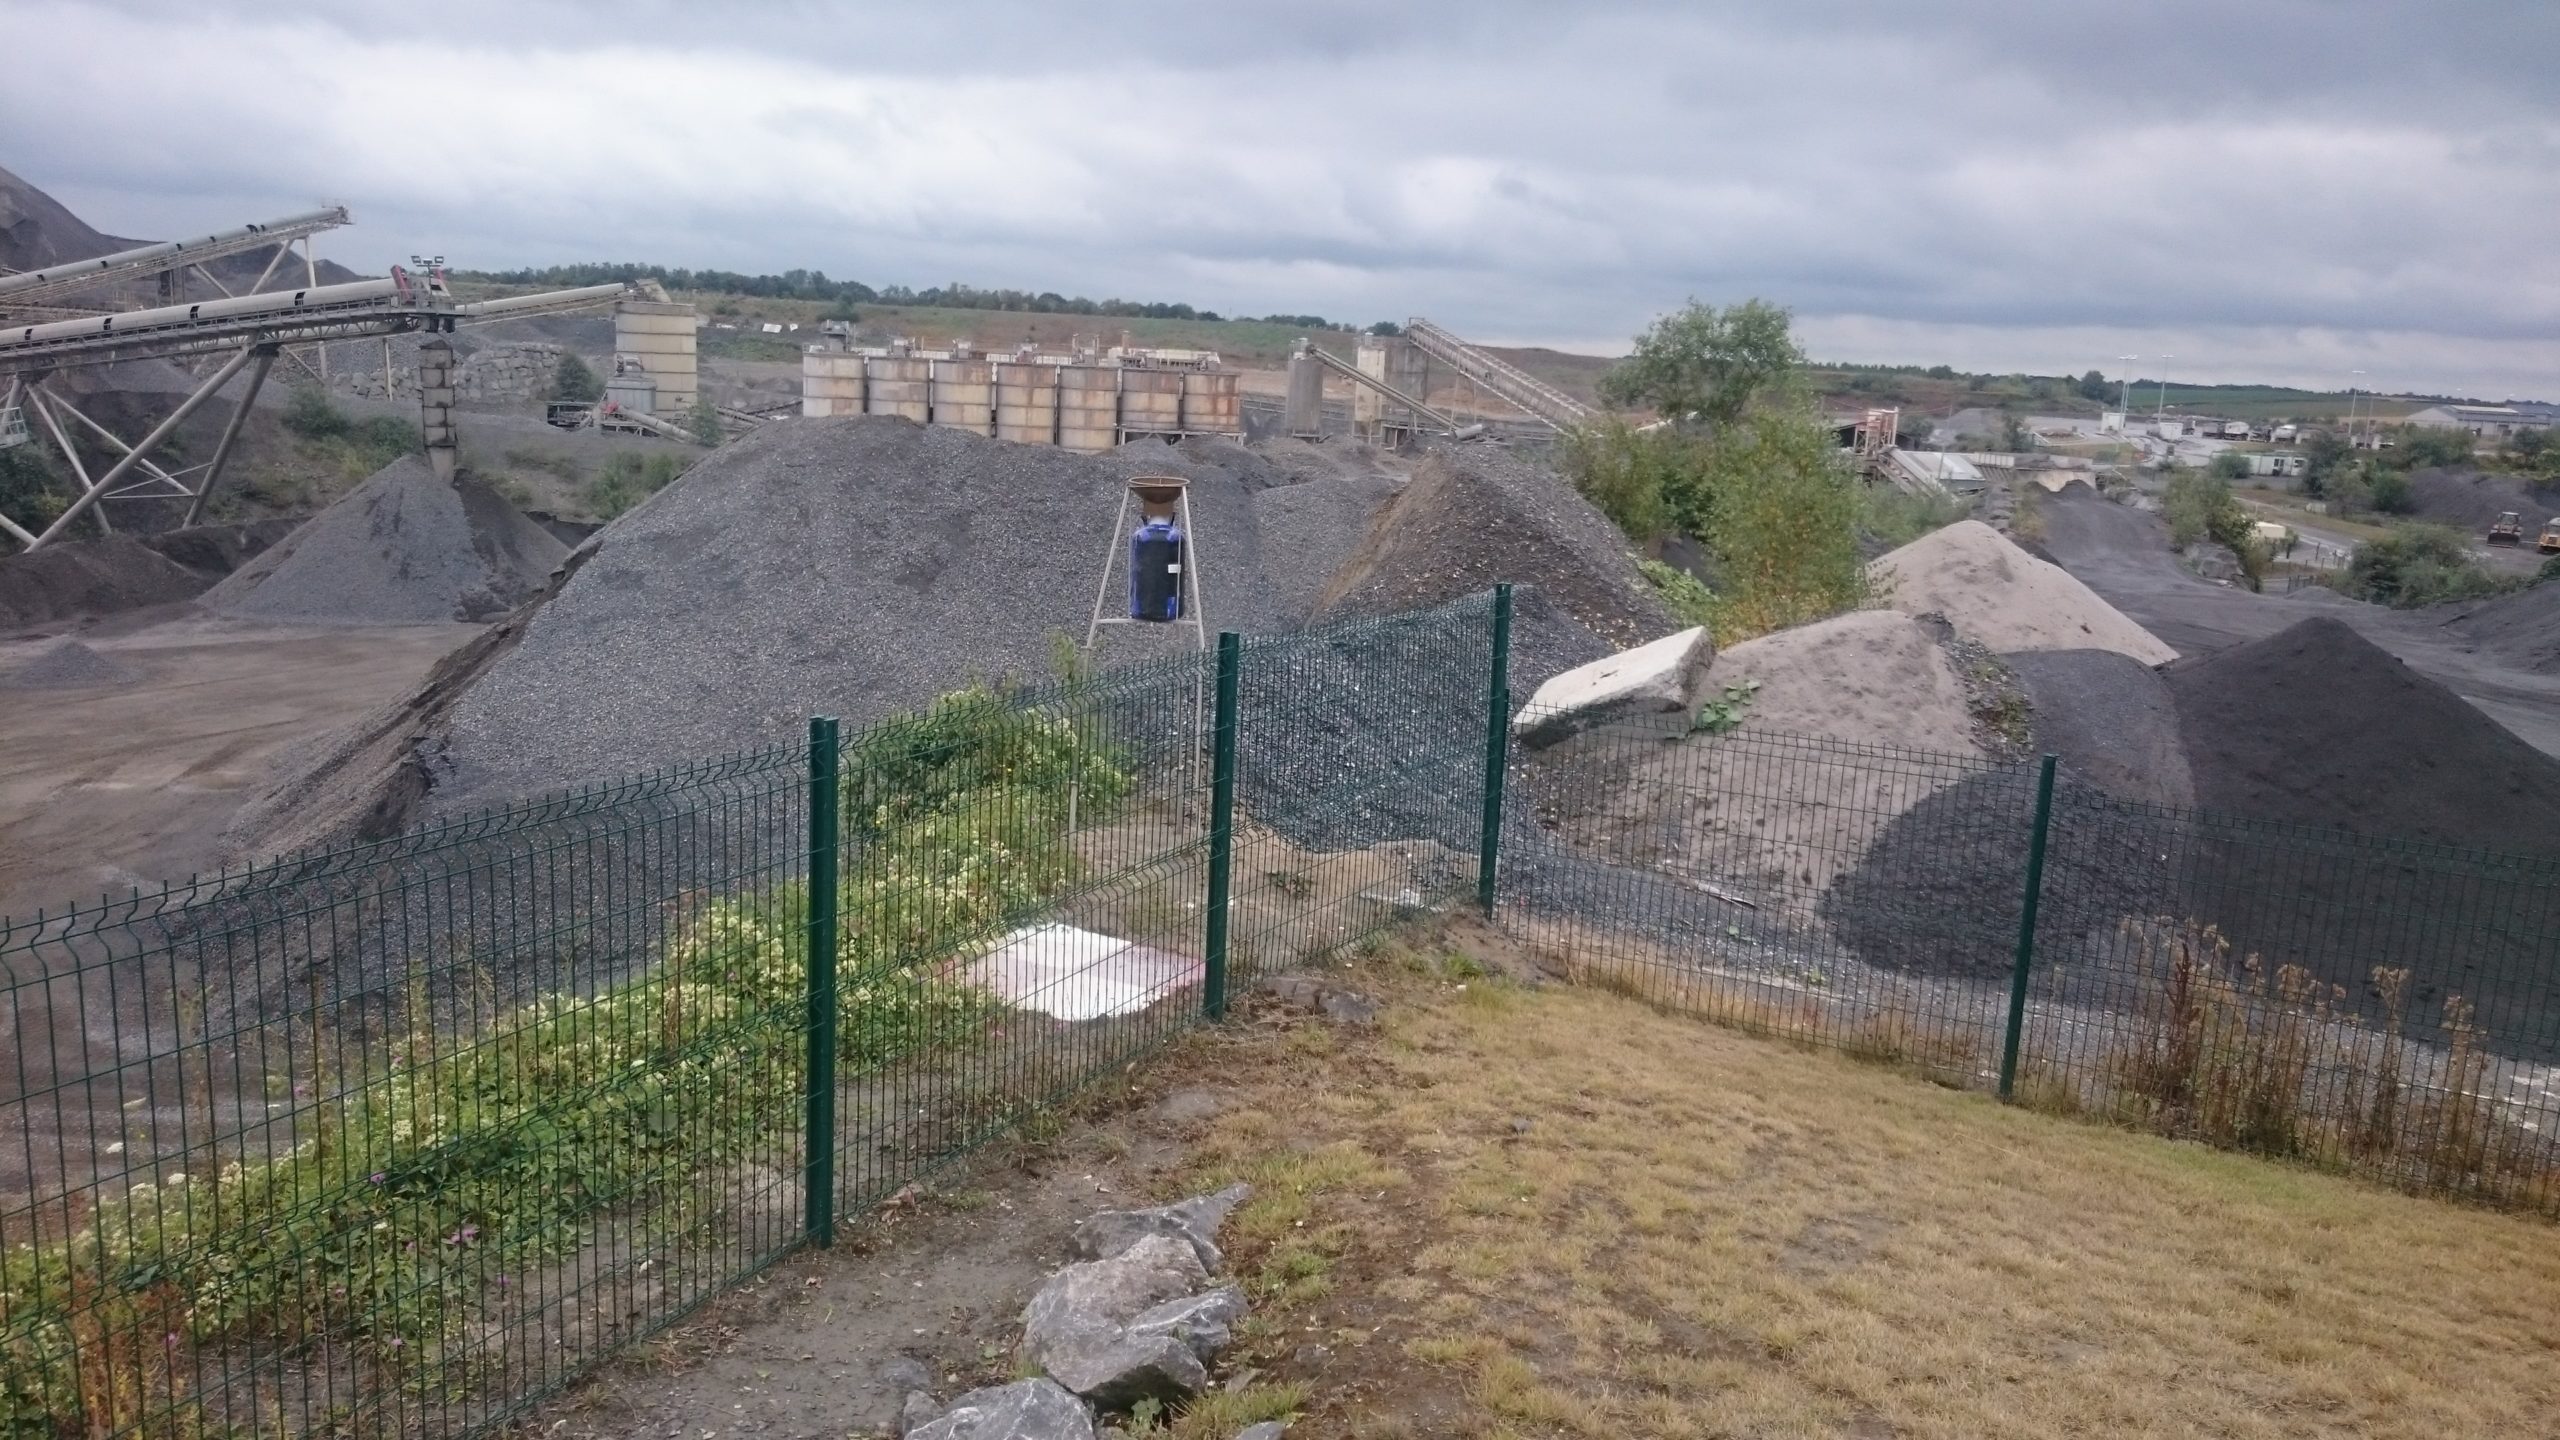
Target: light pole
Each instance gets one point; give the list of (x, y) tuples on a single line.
[(2161, 411), (2125, 402), (2351, 409)]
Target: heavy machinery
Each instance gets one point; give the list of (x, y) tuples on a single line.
[(2549, 544), (2507, 529)]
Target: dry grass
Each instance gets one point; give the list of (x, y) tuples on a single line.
[(1564, 1213)]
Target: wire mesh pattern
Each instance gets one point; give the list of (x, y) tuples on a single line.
[(397, 1139), (2375, 1006)]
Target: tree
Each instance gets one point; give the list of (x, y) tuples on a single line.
[(2322, 456), (575, 381), (1706, 364), (2390, 493), (2014, 438), (705, 421), (2230, 465), (2092, 386), (1387, 328)]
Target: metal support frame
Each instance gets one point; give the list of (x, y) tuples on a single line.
[(62, 442), (1191, 610), (96, 488), (153, 472), (265, 359)]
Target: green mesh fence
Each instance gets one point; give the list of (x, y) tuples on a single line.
[(2373, 1006), (398, 1139)]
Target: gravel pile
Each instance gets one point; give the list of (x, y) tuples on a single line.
[(402, 548), (80, 580), (1476, 515), (2315, 726), (214, 551), (2006, 598), (2470, 499), (857, 567), (2111, 720), (64, 664), (2522, 629)]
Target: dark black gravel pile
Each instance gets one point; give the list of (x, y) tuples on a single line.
[(2470, 499), (1941, 891), (2522, 629), (2319, 731), (1476, 515), (2110, 719)]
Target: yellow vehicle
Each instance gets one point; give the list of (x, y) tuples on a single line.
[(2507, 529), (2549, 544)]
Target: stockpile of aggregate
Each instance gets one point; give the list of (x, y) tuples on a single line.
[(2005, 598), (2111, 721), (402, 548), (2470, 499), (63, 664), (79, 580), (2315, 726), (1473, 516), (857, 567), (2522, 629), (1845, 724), (216, 550)]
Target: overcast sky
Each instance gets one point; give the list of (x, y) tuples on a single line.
[(2284, 190)]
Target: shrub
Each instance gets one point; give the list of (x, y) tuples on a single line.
[(2388, 492), (1631, 474), (1784, 526), (1687, 595), (705, 422), (311, 415), (2230, 466), (628, 478), (575, 381), (2419, 565)]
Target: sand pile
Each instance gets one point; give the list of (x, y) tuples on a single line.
[(1476, 515), (1782, 807), (75, 580), (63, 664), (2006, 598), (402, 548)]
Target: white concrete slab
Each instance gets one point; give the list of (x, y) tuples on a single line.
[(1660, 677), (1072, 974)]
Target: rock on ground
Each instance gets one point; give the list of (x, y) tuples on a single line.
[(1665, 676), (2006, 598), (1196, 1221), (1132, 1327), (402, 548), (1024, 1410)]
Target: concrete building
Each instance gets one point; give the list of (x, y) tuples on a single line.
[(2489, 422)]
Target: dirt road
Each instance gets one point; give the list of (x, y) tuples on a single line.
[(110, 787), (2124, 555)]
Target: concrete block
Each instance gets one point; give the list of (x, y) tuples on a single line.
[(1664, 676)]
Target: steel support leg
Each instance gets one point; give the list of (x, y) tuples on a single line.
[(116, 444), (194, 402), (53, 426), (266, 359)]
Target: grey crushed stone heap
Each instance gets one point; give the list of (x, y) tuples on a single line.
[(857, 567), (402, 548), (63, 664)]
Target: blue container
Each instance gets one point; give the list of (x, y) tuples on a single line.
[(1155, 572)]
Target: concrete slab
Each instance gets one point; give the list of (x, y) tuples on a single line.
[(1072, 974), (1659, 677)]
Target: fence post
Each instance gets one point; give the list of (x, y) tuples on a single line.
[(818, 1175), (2027, 931), (1222, 824), (1497, 749)]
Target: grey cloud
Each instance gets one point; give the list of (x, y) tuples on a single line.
[(2043, 170)]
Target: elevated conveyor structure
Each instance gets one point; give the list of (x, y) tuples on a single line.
[(1359, 376), (31, 287), (1516, 386), (251, 329)]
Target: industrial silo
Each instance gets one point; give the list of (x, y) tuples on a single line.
[(830, 383), (1150, 402), (1212, 403), (964, 395), (1027, 402), (898, 385), (1088, 407)]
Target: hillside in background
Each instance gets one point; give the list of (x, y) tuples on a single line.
[(37, 230)]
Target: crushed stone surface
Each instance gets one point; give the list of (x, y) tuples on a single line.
[(1473, 516), (859, 567), (84, 579), (2006, 598), (2111, 720), (402, 548)]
